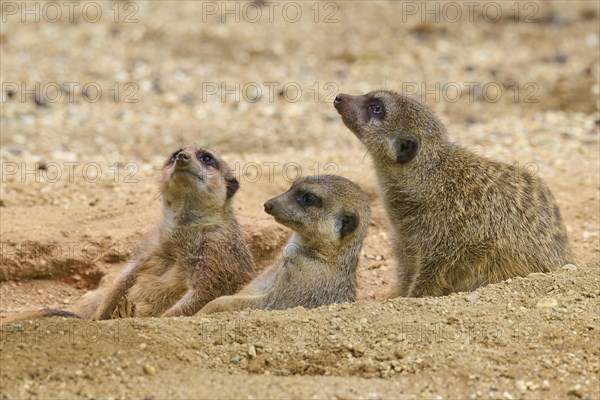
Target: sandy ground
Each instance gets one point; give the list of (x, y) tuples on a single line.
[(79, 177)]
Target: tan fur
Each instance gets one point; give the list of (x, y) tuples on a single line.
[(318, 264), (460, 220)]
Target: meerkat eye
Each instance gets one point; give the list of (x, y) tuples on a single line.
[(309, 199), (171, 159), (207, 159), (376, 109)]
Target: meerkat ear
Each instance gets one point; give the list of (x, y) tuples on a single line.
[(406, 149), (232, 185), (349, 223)]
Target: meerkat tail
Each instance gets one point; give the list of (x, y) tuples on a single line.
[(45, 313)]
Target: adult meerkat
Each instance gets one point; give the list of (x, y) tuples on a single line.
[(330, 216), (460, 220), (197, 254)]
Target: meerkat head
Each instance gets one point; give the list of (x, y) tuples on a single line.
[(394, 128), (328, 212), (195, 178)]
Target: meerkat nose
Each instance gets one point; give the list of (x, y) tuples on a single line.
[(268, 207), (343, 100), (182, 157), (338, 100)]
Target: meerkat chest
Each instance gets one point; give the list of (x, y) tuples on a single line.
[(303, 271), (177, 258)]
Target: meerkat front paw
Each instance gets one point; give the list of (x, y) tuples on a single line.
[(233, 303), (220, 304), (125, 309)]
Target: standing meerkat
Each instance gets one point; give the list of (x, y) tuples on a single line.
[(460, 220), (330, 216), (197, 254)]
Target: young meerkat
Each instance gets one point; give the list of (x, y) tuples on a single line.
[(460, 220), (197, 254), (330, 216)]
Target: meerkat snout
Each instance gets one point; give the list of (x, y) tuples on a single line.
[(358, 110), (297, 207), (353, 111), (338, 99), (345, 100), (182, 157), (194, 162), (268, 207)]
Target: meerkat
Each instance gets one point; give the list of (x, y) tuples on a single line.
[(460, 221), (197, 254), (329, 216)]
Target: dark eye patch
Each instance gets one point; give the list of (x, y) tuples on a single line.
[(171, 159), (376, 109), (308, 199), (207, 159)]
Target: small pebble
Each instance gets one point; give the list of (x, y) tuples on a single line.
[(358, 350), (472, 297), (569, 267), (560, 58), (399, 353), (545, 385), (532, 386), (17, 149), (548, 302), (252, 351), (256, 365), (149, 369), (575, 391)]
